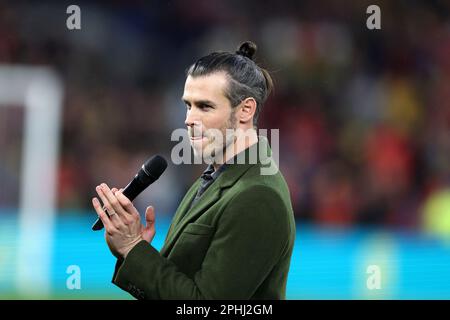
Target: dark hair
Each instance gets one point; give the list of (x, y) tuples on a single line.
[(245, 78)]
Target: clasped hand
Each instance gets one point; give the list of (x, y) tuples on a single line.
[(123, 227)]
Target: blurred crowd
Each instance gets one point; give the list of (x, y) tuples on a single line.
[(364, 115)]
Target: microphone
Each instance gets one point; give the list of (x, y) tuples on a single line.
[(150, 172)]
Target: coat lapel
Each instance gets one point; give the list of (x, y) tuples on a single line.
[(181, 211), (184, 206), (211, 195)]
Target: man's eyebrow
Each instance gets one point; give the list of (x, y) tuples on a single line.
[(198, 102)]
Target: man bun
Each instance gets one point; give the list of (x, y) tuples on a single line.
[(247, 49)]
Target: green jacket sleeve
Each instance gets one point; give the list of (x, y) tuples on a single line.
[(250, 237)]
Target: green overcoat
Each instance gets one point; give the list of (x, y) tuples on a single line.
[(236, 242)]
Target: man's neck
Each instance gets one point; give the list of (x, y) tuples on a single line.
[(242, 142)]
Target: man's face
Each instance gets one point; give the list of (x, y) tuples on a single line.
[(208, 115)]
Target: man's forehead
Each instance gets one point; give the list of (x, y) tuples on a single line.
[(208, 87)]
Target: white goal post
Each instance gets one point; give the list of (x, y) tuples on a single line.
[(40, 91)]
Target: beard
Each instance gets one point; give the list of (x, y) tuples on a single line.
[(218, 141)]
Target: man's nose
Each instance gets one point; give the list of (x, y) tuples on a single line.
[(191, 118)]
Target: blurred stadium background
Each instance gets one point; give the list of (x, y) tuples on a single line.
[(364, 119)]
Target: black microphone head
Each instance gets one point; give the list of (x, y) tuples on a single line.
[(151, 170), (155, 166)]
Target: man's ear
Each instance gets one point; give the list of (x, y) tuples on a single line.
[(248, 109)]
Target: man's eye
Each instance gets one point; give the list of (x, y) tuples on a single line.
[(204, 106)]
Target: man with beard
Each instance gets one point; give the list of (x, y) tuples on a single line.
[(233, 233)]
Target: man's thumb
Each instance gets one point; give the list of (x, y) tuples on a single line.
[(150, 215)]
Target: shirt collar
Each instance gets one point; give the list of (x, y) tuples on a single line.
[(210, 173)]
